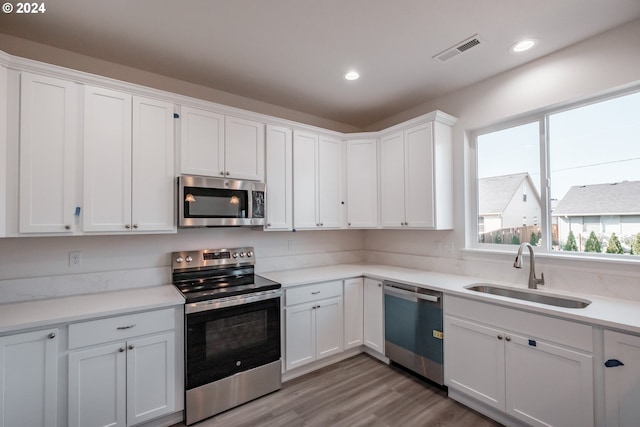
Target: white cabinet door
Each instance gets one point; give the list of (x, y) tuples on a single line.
[(330, 203), (201, 142), (29, 379), (305, 188), (244, 149), (279, 159), (374, 315), (300, 333), (153, 166), (150, 377), (107, 160), (4, 105), (475, 361), (547, 385), (329, 327), (97, 386), (48, 154), (392, 180), (622, 391), (362, 183), (418, 184), (353, 312)]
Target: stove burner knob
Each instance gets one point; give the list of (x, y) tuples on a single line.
[(249, 254), (241, 254), (235, 255), (179, 259), (188, 259)]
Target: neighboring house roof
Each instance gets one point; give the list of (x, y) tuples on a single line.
[(619, 198), (496, 192)]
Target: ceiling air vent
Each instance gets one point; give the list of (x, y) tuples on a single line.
[(456, 50)]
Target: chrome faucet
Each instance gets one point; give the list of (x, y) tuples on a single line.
[(533, 280)]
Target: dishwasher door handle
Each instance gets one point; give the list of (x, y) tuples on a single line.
[(430, 298), (400, 293)]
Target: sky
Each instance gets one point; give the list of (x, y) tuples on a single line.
[(595, 144)]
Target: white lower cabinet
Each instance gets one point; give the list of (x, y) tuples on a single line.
[(621, 379), (122, 370), (29, 379), (373, 315), (313, 323), (353, 312), (514, 362)]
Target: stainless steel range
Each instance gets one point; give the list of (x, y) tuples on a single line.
[(232, 330)]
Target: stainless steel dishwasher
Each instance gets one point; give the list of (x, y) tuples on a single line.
[(413, 329)]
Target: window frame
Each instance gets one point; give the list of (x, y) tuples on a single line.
[(542, 117)]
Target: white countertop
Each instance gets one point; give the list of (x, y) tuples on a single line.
[(603, 311), (54, 311)]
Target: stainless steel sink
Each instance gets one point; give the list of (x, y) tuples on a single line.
[(557, 301)]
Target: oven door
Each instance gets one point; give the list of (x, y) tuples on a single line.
[(221, 342)]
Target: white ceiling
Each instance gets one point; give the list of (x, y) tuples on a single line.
[(294, 53)]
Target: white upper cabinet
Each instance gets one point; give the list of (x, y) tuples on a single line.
[(49, 155), (416, 180), (153, 166), (279, 170), (362, 183), (128, 163), (317, 190), (4, 103), (244, 149), (201, 142), (215, 145)]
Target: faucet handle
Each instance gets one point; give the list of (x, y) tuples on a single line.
[(540, 281)]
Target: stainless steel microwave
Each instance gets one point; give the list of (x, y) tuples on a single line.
[(219, 202)]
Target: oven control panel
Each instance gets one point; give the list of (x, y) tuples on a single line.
[(212, 258)]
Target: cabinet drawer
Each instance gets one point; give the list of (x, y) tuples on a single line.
[(313, 292), (120, 328)]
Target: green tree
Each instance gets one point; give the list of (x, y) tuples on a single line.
[(635, 247), (497, 239), (533, 240), (614, 246), (592, 244), (515, 240), (571, 244)]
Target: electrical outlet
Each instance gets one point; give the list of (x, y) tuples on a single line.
[(75, 259)]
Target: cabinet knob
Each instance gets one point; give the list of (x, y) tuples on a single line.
[(127, 226), (52, 335), (135, 225), (131, 347), (67, 227), (222, 173), (507, 338), (227, 173), (379, 285), (321, 224), (268, 224), (499, 337), (121, 349), (349, 224)]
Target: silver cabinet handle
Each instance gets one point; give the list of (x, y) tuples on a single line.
[(315, 292), (51, 336), (508, 338), (120, 328)]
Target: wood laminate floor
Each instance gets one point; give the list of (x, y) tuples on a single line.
[(360, 391)]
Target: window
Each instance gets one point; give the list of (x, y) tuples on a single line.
[(575, 172)]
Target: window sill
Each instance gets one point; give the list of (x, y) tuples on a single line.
[(618, 265)]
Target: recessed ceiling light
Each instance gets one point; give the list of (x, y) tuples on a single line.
[(352, 75), (523, 45)]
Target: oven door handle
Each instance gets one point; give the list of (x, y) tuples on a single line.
[(214, 304)]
